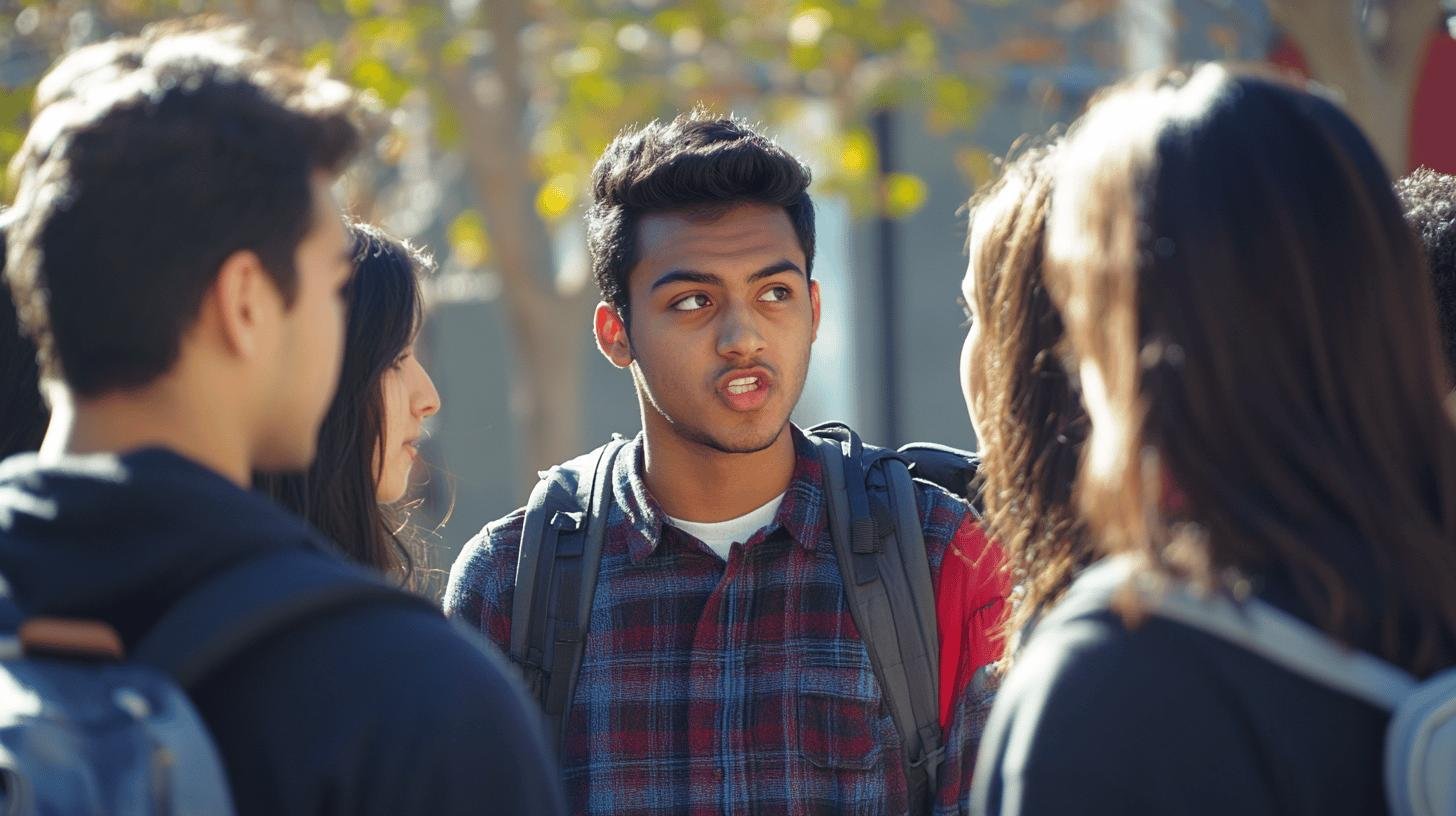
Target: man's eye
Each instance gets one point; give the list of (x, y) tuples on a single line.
[(777, 294), (691, 303)]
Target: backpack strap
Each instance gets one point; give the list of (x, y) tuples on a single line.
[(951, 468), (250, 603), (881, 551), (1252, 625), (556, 574)]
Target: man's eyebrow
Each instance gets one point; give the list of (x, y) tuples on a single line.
[(775, 269), (686, 276)]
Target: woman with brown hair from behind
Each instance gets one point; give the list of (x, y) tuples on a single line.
[(1258, 355), (1024, 407)]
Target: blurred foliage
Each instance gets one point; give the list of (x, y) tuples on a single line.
[(586, 69)]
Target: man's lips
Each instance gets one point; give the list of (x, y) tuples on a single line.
[(745, 389)]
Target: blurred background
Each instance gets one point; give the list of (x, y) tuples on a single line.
[(487, 115)]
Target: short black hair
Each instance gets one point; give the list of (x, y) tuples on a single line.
[(1429, 200), (698, 163), (174, 150)]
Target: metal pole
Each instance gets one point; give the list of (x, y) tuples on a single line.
[(882, 123)]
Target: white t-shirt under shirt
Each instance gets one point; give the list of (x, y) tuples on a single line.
[(720, 536)]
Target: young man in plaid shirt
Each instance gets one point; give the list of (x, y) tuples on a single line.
[(723, 671)]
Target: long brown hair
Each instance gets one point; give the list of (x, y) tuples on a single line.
[(1259, 355), (1029, 413), (337, 493)]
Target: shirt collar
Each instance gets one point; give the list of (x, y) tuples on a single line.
[(801, 515)]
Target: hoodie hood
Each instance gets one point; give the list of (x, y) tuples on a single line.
[(122, 537)]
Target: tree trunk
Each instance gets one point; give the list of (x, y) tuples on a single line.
[(546, 325), (1376, 70)]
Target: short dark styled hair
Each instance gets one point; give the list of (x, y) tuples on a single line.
[(697, 163), (1429, 201), (174, 150)]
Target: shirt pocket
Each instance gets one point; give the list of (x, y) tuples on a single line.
[(838, 712)]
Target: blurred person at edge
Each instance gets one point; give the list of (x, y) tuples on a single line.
[(1257, 346), (1429, 199), (181, 263), (23, 412), (1023, 403), (369, 438), (723, 669)]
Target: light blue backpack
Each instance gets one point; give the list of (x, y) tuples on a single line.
[(1420, 744)]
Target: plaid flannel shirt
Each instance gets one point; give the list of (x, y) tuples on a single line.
[(740, 687)]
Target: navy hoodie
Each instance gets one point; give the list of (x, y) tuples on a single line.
[(376, 709)]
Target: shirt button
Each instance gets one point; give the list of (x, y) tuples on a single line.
[(718, 774)]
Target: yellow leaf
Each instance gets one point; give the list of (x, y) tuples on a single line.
[(468, 240), (976, 165), (556, 196), (320, 54), (857, 154), (904, 194)]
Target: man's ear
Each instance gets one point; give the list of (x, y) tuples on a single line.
[(242, 303), (814, 304), (611, 335)]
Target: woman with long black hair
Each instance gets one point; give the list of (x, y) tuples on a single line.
[(23, 413), (369, 440)]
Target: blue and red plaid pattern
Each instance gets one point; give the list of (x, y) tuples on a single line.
[(710, 687)]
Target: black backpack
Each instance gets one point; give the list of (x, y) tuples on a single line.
[(87, 731), (874, 522)]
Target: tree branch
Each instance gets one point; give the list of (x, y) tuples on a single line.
[(498, 160), (1402, 55)]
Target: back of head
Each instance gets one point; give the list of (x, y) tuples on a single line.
[(337, 494), (697, 163), (150, 161), (1029, 414), (1259, 353), (1429, 199)]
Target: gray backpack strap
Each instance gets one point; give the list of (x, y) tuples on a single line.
[(887, 583), (1420, 743), (1252, 625), (556, 572)]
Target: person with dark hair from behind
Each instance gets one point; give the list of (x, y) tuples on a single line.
[(1429, 199), (722, 667), (1023, 403), (180, 260), (369, 438), (23, 412), (1271, 438)]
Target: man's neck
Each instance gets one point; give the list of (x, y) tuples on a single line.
[(694, 482), (121, 422)]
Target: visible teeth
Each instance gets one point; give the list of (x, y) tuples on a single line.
[(743, 385)]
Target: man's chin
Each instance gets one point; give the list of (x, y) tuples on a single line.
[(743, 442)]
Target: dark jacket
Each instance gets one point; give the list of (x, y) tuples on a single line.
[(1099, 717), (376, 709)]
